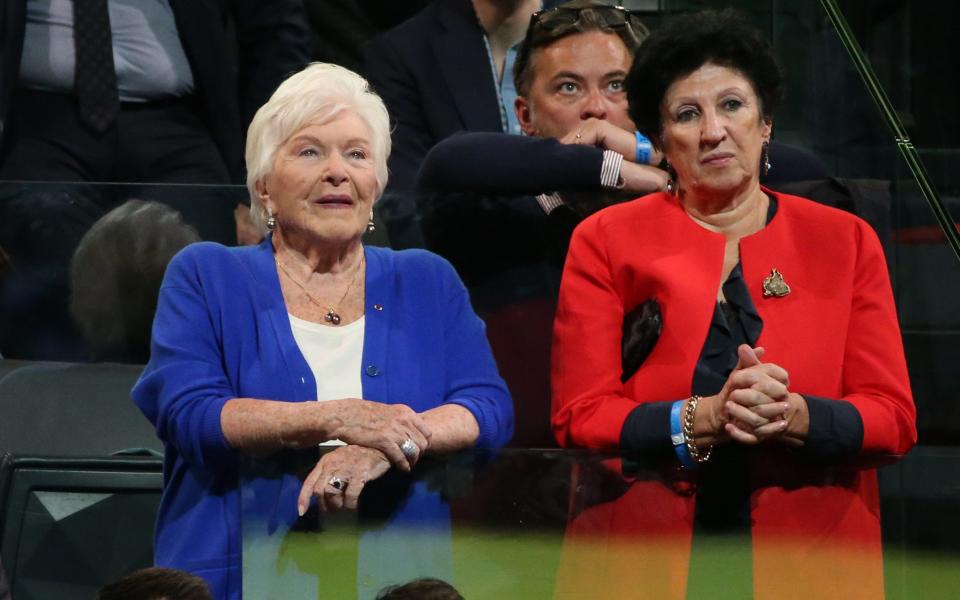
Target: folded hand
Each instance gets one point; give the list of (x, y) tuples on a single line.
[(394, 429), (339, 477)]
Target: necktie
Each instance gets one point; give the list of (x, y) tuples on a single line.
[(95, 79)]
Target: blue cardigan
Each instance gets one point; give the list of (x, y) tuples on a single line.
[(222, 331)]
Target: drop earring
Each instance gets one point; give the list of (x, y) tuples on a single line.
[(370, 225), (671, 177), (271, 220), (765, 159)]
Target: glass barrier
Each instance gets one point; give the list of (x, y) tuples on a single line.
[(510, 254), (70, 291), (79, 287), (572, 524)]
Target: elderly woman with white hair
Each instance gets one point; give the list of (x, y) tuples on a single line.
[(309, 337)]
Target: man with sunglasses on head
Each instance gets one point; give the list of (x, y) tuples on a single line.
[(580, 147), (581, 151), (449, 70), (434, 73)]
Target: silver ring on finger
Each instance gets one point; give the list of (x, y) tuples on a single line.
[(409, 448), (337, 483)]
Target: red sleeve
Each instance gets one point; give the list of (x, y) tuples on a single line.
[(875, 377), (589, 407)]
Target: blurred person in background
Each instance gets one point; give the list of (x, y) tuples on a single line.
[(122, 91), (447, 69), (115, 277), (421, 589), (141, 92), (119, 90), (156, 584)]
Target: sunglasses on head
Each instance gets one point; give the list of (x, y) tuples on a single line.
[(561, 17)]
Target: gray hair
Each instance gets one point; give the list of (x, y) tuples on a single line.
[(116, 273), (321, 91)]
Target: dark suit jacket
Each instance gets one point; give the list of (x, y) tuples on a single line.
[(433, 72), (271, 42)]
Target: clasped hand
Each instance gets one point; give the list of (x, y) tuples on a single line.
[(384, 427), (377, 435), (755, 405), (340, 476)]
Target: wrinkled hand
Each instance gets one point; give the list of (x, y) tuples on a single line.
[(354, 466), (384, 427), (756, 398)]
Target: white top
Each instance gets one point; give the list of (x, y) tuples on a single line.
[(334, 354)]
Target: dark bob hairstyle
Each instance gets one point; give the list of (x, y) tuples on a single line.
[(686, 43)]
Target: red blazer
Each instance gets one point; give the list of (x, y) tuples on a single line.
[(836, 334)]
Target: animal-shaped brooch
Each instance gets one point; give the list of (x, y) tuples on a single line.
[(774, 285)]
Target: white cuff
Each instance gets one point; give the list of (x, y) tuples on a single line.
[(550, 201), (610, 169)]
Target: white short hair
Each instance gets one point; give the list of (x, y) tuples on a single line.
[(319, 92)]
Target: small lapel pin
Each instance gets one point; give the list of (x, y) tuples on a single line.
[(774, 285)]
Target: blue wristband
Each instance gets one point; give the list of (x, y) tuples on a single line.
[(677, 437), (644, 149)]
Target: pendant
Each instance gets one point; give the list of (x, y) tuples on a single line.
[(332, 317), (774, 285)]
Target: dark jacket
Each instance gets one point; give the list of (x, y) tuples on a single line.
[(271, 42), (434, 74)]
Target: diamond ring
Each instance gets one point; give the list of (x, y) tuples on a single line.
[(409, 449)]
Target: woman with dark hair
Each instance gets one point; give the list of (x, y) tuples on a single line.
[(772, 335)]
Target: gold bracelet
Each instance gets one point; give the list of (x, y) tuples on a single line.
[(688, 414)]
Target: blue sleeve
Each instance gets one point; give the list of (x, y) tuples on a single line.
[(499, 163), (472, 377), (184, 386)]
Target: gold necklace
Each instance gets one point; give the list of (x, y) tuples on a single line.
[(331, 316)]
